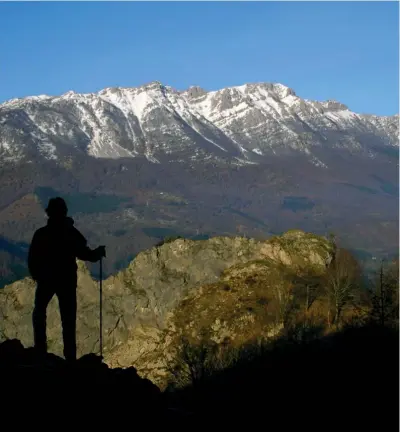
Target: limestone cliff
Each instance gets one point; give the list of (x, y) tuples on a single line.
[(228, 288)]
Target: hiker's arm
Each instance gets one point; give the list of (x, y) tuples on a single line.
[(83, 251)]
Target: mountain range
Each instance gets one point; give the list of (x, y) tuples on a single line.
[(247, 122), (139, 164)]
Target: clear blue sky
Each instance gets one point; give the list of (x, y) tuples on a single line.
[(323, 50)]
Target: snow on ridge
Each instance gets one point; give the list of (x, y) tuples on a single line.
[(140, 103), (256, 117), (22, 100), (134, 100), (111, 151), (183, 109), (265, 100), (284, 93)]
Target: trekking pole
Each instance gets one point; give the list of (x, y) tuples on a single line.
[(101, 306)]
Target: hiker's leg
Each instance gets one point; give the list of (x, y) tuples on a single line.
[(67, 302), (44, 294)]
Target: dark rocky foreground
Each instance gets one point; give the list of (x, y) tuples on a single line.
[(344, 382), (87, 391)]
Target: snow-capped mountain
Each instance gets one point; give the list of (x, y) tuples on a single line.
[(247, 123), (138, 164)]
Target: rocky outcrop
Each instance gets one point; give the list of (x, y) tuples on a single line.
[(168, 288)]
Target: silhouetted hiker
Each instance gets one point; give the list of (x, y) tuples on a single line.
[(52, 264)]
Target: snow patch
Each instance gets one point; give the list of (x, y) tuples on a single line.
[(244, 162)]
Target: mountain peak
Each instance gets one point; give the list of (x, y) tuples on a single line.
[(69, 94), (194, 92), (333, 105), (282, 91), (153, 85)]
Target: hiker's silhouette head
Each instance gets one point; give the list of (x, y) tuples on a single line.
[(57, 208)]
